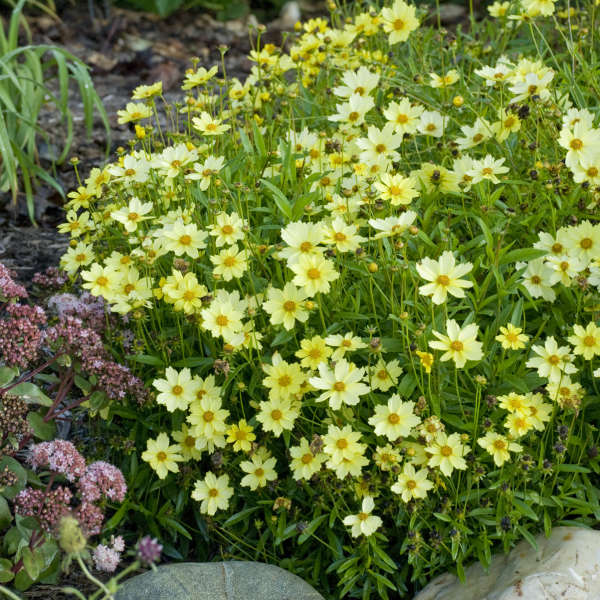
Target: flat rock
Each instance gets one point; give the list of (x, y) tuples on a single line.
[(450, 14), (566, 566), (230, 580)]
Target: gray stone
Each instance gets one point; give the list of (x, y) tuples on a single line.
[(450, 14), (289, 15), (230, 580), (566, 566)]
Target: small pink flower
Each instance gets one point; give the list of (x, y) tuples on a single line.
[(149, 550), (117, 543), (9, 290), (105, 558), (59, 456), (90, 518), (47, 507), (102, 480)]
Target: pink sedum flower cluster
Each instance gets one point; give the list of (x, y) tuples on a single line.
[(9, 289), (48, 507), (95, 483), (81, 319), (91, 310), (102, 480), (107, 557), (59, 456), (52, 278), (70, 336), (21, 335)]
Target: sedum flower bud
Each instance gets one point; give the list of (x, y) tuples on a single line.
[(70, 536)]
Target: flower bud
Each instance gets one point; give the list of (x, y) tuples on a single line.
[(70, 536)]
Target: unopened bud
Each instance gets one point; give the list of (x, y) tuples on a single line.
[(70, 536)]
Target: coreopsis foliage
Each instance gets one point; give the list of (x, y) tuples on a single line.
[(363, 285)]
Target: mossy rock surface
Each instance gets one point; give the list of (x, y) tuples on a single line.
[(232, 580)]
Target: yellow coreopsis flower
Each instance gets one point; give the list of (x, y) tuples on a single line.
[(198, 77), (188, 443), (412, 484), (342, 384), (404, 116), (101, 281), (387, 457), (223, 319), (312, 352), (305, 463), (399, 21), (586, 341), (498, 9), (499, 446), (241, 435), (343, 344), (426, 359), (535, 8), (213, 493), (313, 274), (134, 111), (342, 444), (518, 425), (538, 411), (514, 403), (459, 345), (180, 239), (447, 452), (344, 237), (353, 111), (131, 215), (439, 81), (283, 379), (259, 471), (303, 239), (162, 456), (227, 229), (394, 419), (286, 306), (384, 375), (184, 292), (177, 390), (445, 277), (76, 257), (507, 124), (364, 523), (76, 225), (142, 92), (230, 263), (551, 360), (208, 125), (80, 198), (207, 416), (399, 190), (512, 338), (360, 83), (567, 393), (277, 415)]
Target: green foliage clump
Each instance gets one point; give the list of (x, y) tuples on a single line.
[(26, 73)]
